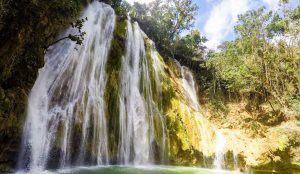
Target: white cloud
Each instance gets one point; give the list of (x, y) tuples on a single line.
[(140, 1), (212, 44), (271, 4), (222, 19)]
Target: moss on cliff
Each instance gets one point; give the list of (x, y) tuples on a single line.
[(183, 123), (187, 131), (25, 28), (113, 70)]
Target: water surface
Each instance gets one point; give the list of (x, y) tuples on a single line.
[(162, 170), (146, 170)]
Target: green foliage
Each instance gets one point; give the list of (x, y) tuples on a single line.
[(295, 105), (295, 14), (113, 3), (259, 66), (78, 38), (284, 1), (26, 26), (252, 24), (189, 47), (121, 7), (139, 10), (78, 24), (164, 21), (277, 26)]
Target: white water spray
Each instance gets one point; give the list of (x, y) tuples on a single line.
[(138, 110), (68, 95), (189, 85), (219, 152)]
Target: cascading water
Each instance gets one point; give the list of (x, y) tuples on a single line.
[(66, 120), (138, 110), (157, 109), (219, 152), (68, 95), (189, 86)]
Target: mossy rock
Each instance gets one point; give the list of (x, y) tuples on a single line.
[(11, 121), (25, 28), (113, 70)]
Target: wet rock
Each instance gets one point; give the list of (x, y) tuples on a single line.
[(2, 94)]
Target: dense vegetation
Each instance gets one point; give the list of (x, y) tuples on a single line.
[(26, 27), (169, 23), (262, 64)]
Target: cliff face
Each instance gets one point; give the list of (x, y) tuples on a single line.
[(252, 139), (190, 137), (24, 33), (259, 141), (190, 128), (25, 28)]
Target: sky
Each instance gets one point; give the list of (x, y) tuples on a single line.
[(216, 18)]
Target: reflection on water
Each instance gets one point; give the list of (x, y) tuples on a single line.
[(146, 170), (162, 170)]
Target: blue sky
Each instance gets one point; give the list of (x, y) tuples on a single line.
[(217, 18)]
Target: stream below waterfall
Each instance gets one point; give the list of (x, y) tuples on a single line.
[(159, 169), (146, 170)]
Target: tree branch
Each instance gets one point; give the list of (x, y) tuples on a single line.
[(67, 37)]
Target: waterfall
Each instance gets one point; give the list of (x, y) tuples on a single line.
[(66, 121), (67, 116), (158, 108), (137, 107), (189, 85), (219, 152), (68, 97)]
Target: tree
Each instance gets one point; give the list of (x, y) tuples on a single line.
[(277, 27), (139, 10), (189, 47), (259, 64), (164, 20), (78, 38)]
